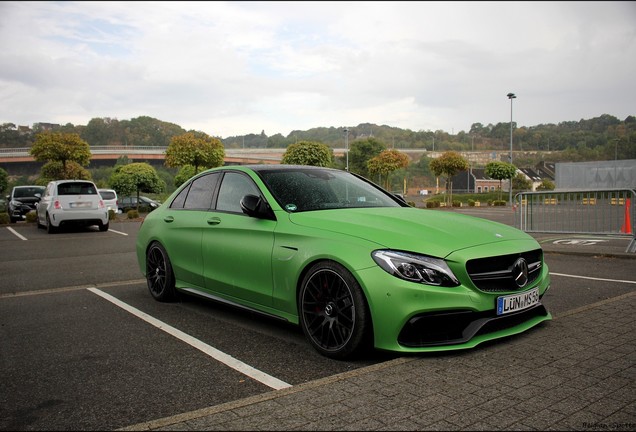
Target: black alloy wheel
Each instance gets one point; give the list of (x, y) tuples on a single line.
[(333, 311), (159, 275)]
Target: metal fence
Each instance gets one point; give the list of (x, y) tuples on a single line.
[(598, 212)]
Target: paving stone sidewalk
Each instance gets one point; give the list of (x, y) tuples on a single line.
[(576, 372)]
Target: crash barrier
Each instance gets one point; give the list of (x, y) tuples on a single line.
[(597, 212)]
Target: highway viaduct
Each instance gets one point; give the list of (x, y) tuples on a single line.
[(18, 161)]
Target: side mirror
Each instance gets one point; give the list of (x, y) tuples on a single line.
[(38, 196), (255, 206)]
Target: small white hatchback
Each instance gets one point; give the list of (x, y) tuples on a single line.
[(110, 199), (67, 202)]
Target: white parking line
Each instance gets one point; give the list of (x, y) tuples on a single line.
[(220, 356), (21, 237), (593, 278), (117, 232)]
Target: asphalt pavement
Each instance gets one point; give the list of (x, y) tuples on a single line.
[(575, 372)]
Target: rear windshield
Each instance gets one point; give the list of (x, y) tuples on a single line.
[(78, 188), (108, 195)]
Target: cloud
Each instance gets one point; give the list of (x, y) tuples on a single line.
[(232, 68)]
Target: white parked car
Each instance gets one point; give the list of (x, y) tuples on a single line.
[(68, 202), (110, 199)]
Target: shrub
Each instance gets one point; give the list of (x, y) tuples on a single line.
[(133, 214), (457, 203), (4, 218), (499, 203), (112, 215), (471, 203), (432, 204), (31, 216)]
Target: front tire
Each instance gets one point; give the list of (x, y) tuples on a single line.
[(333, 311), (159, 275)]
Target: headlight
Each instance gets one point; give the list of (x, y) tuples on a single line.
[(416, 268)]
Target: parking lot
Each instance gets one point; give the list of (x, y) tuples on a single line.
[(84, 346)]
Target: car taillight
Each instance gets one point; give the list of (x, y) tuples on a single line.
[(101, 204), (57, 205)]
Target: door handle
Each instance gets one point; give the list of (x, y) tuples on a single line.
[(214, 220), (168, 219)]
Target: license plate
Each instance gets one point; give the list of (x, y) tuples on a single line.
[(80, 204), (517, 302)]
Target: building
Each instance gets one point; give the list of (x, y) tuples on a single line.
[(475, 181), (596, 175)]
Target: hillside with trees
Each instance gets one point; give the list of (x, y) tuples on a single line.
[(601, 138)]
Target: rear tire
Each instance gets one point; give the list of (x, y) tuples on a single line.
[(159, 275), (49, 226), (103, 227)]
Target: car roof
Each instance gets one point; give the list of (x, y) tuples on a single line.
[(71, 181)]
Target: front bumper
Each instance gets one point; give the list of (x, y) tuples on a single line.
[(410, 317), (20, 212)]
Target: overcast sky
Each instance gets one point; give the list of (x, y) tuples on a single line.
[(233, 68)]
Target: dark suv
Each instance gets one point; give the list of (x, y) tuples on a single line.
[(146, 205), (22, 200)]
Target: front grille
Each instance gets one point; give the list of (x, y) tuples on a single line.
[(495, 274), (457, 327)]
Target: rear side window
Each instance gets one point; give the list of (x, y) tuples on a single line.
[(198, 195), (107, 195), (79, 188)]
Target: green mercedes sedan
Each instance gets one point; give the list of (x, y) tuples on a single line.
[(354, 265)]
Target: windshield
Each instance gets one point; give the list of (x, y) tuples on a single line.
[(306, 189), (27, 192)]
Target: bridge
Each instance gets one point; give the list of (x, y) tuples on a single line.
[(12, 155), (15, 160), (18, 161)]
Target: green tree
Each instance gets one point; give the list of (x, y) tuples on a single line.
[(308, 153), (387, 162), (546, 185), (361, 152), (4, 181), (136, 177), (500, 171), (521, 183), (56, 148), (55, 170), (449, 164), (184, 174), (195, 148)]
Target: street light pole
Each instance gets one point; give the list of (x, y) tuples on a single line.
[(346, 131), (511, 96)]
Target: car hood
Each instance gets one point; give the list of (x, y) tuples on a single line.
[(434, 232)]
